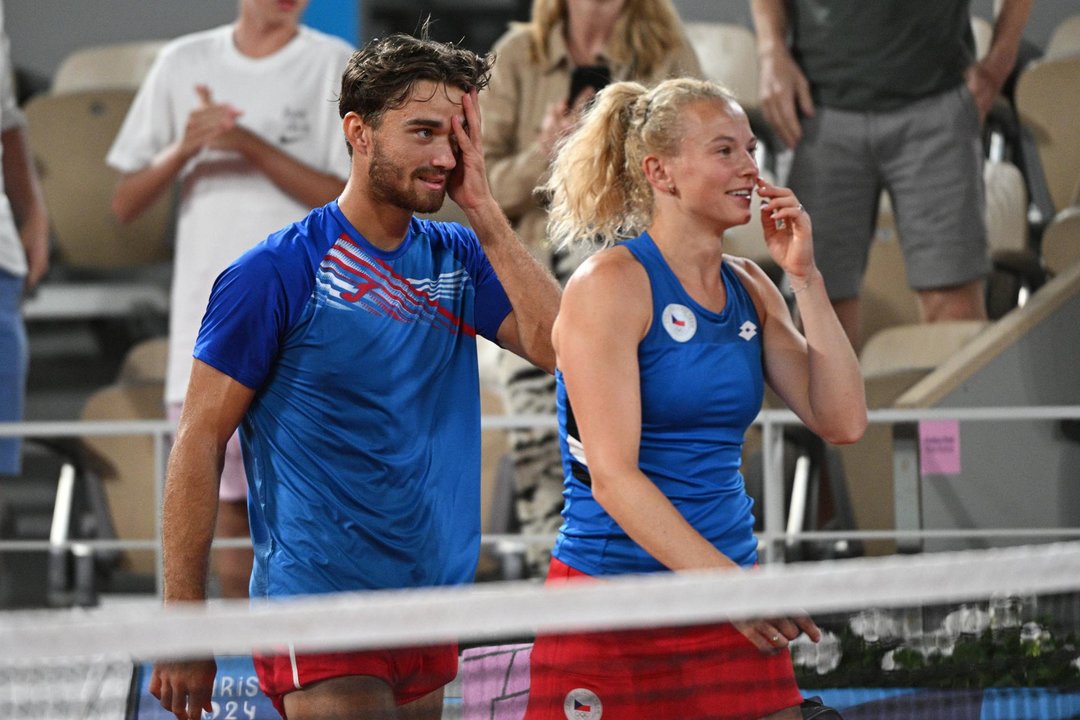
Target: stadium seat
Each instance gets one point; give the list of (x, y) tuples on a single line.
[(1016, 271), (1047, 95), (145, 362), (124, 465), (116, 66), (70, 135), (886, 300), (984, 33), (1065, 39), (101, 270), (1061, 241), (922, 346), (728, 55)]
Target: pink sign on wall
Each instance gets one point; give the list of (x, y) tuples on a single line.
[(939, 447)]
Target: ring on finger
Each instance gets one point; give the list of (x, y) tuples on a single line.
[(800, 208), (776, 638)]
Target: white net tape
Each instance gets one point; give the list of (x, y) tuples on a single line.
[(497, 611)]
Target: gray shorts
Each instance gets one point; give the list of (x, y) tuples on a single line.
[(929, 157)]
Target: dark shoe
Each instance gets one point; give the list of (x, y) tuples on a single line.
[(812, 709)]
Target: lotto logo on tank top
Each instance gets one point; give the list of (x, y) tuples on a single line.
[(680, 322), (582, 704)]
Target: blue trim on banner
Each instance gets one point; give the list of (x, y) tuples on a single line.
[(236, 694), (841, 698), (1029, 704), (987, 704)]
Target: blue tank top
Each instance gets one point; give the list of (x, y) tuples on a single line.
[(701, 388)]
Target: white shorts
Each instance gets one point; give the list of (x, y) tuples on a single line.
[(233, 477)]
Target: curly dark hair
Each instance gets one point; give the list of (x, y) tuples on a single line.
[(380, 76)]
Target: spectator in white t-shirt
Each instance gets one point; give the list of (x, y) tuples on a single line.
[(245, 118)]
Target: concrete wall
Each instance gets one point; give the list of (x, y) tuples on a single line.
[(1015, 473), (42, 32)]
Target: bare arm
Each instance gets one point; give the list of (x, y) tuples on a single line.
[(137, 191), (533, 292), (296, 179), (606, 311), (215, 125), (784, 89), (27, 203), (213, 407), (816, 373), (986, 77)]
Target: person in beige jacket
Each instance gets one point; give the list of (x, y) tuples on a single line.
[(526, 111)]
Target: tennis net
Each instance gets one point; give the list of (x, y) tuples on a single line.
[(944, 635)]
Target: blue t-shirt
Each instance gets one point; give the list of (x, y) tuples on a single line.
[(701, 387), (362, 443)]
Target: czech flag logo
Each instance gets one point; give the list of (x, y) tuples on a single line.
[(582, 704), (680, 322)]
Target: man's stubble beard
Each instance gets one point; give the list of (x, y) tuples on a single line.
[(385, 180)]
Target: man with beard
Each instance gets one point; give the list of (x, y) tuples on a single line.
[(344, 346)]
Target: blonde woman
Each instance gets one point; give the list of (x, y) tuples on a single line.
[(663, 347), (527, 109)]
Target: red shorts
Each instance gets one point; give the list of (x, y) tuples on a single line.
[(411, 673), (692, 673)]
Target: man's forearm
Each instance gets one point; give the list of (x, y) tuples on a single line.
[(305, 184), (770, 24), (1005, 45), (27, 200), (188, 517), (533, 292), (137, 191), (21, 181)]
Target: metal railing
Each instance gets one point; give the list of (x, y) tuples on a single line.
[(772, 540)]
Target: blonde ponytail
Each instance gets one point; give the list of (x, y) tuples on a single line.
[(595, 194), (597, 189)]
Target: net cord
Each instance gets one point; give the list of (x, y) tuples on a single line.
[(505, 610)]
